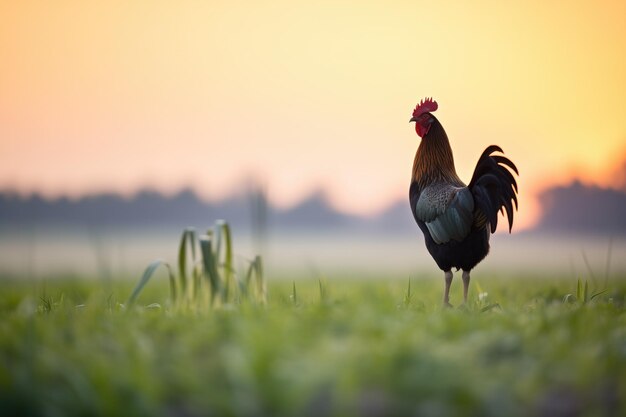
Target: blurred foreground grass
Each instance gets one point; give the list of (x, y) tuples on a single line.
[(340, 347)]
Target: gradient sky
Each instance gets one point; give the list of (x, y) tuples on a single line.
[(115, 96)]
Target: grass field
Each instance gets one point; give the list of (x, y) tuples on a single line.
[(321, 348)]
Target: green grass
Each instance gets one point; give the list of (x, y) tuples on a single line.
[(316, 347), (210, 281)]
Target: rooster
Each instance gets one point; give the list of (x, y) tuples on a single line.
[(457, 219)]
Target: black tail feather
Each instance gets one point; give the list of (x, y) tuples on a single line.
[(494, 187), (501, 160), (505, 161)]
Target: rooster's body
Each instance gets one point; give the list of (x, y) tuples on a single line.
[(457, 219)]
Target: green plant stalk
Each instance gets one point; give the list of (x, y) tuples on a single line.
[(210, 267), (146, 277), (223, 234), (188, 238), (215, 264)]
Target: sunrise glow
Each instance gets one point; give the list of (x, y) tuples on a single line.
[(300, 96)]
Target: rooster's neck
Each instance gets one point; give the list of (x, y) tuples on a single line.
[(433, 160)]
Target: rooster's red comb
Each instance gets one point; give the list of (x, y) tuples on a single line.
[(425, 106)]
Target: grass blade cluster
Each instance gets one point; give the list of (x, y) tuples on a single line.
[(210, 279)]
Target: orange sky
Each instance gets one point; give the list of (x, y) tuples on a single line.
[(120, 95)]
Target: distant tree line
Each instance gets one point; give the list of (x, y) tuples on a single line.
[(573, 208)]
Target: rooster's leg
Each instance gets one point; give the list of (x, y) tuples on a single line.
[(446, 293), (466, 281)]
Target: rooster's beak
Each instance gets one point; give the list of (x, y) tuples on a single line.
[(413, 119)]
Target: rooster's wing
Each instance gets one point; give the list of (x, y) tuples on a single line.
[(447, 211)]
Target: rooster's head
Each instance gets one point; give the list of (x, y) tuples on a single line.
[(422, 116)]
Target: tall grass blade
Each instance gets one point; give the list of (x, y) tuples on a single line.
[(294, 294), (223, 234), (597, 294), (188, 239), (146, 277), (579, 290), (210, 267), (217, 250), (182, 261)]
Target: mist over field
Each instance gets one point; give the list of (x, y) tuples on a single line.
[(581, 233), (126, 253)]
